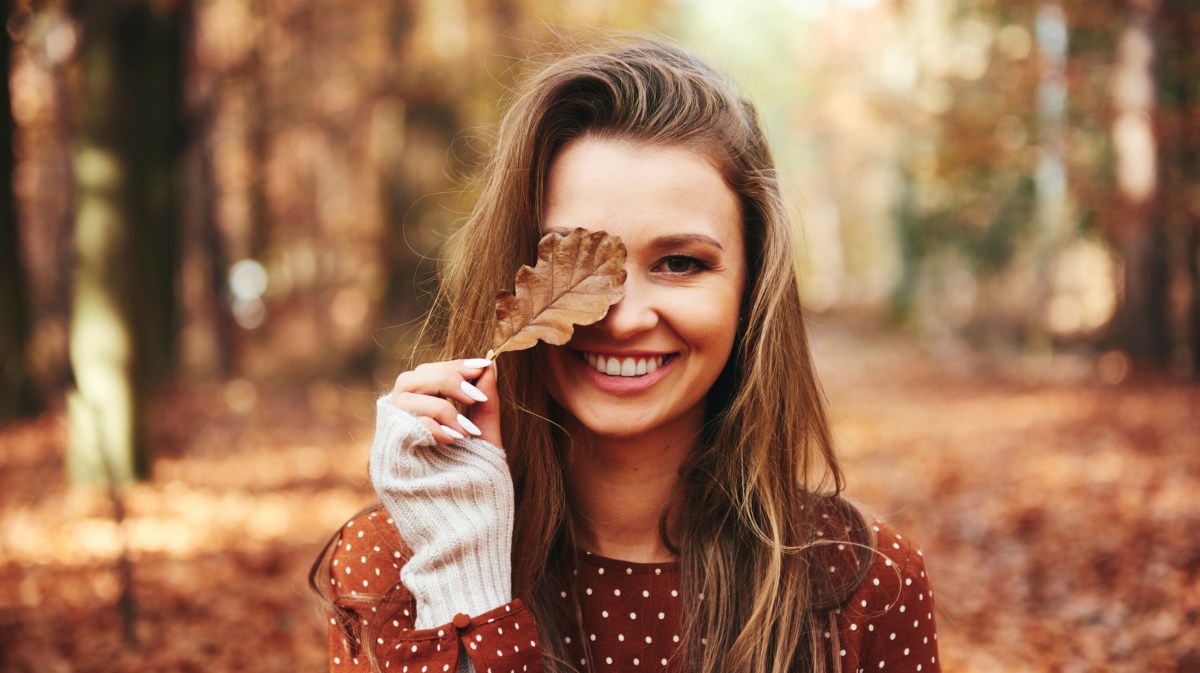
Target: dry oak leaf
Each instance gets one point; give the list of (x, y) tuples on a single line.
[(576, 279)]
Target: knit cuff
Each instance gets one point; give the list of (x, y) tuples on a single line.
[(453, 506)]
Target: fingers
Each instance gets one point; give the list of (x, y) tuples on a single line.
[(439, 415), (429, 391), (487, 416), (451, 380)]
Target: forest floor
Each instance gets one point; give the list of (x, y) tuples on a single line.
[(1060, 517)]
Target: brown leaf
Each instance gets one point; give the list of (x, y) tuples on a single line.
[(576, 279)]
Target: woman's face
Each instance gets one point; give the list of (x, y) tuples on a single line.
[(648, 365)]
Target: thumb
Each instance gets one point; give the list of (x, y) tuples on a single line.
[(486, 415)]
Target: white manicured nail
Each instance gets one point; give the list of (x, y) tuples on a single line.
[(473, 392), (452, 432), (468, 425), (476, 363)]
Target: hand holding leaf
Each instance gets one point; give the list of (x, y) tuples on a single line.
[(576, 279)]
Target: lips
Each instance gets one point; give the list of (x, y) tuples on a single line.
[(628, 366)]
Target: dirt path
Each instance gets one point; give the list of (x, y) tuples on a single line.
[(1060, 521)]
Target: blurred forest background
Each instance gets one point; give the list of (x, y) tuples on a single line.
[(223, 226)]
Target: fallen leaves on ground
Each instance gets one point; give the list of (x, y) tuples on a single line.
[(1058, 518), (248, 485)]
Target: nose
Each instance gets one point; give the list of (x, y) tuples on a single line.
[(634, 314)]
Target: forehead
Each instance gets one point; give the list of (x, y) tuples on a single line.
[(640, 191)]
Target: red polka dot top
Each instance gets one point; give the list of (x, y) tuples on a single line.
[(630, 612)]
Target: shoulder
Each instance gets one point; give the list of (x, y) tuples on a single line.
[(897, 570), (366, 558), (891, 616)]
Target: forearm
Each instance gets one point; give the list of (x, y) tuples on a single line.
[(452, 504)]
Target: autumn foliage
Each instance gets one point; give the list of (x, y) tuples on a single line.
[(1057, 515), (1014, 184)]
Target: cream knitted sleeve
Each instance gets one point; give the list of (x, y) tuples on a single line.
[(453, 505)]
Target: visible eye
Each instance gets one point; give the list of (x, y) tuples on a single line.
[(681, 264)]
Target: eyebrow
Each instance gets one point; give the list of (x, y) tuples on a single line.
[(667, 241), (672, 240)]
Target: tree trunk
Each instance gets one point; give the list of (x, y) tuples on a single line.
[(413, 128), (17, 393), (151, 65), (1193, 312), (213, 245), (1177, 31), (258, 139), (1050, 178), (124, 326), (1139, 232)]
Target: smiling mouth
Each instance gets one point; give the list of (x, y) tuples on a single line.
[(627, 366)]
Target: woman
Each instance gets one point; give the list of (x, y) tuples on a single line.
[(660, 493)]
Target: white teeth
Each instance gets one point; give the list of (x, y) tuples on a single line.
[(630, 366)]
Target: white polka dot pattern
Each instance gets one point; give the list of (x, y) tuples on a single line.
[(888, 625), (631, 614), (504, 640)]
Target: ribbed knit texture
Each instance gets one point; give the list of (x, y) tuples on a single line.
[(453, 506)]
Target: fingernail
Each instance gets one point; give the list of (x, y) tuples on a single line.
[(452, 432), (468, 425), (473, 392), (476, 363)]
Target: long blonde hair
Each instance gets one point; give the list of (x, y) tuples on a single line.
[(750, 499)]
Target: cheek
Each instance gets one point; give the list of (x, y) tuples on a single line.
[(555, 358), (711, 326)]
